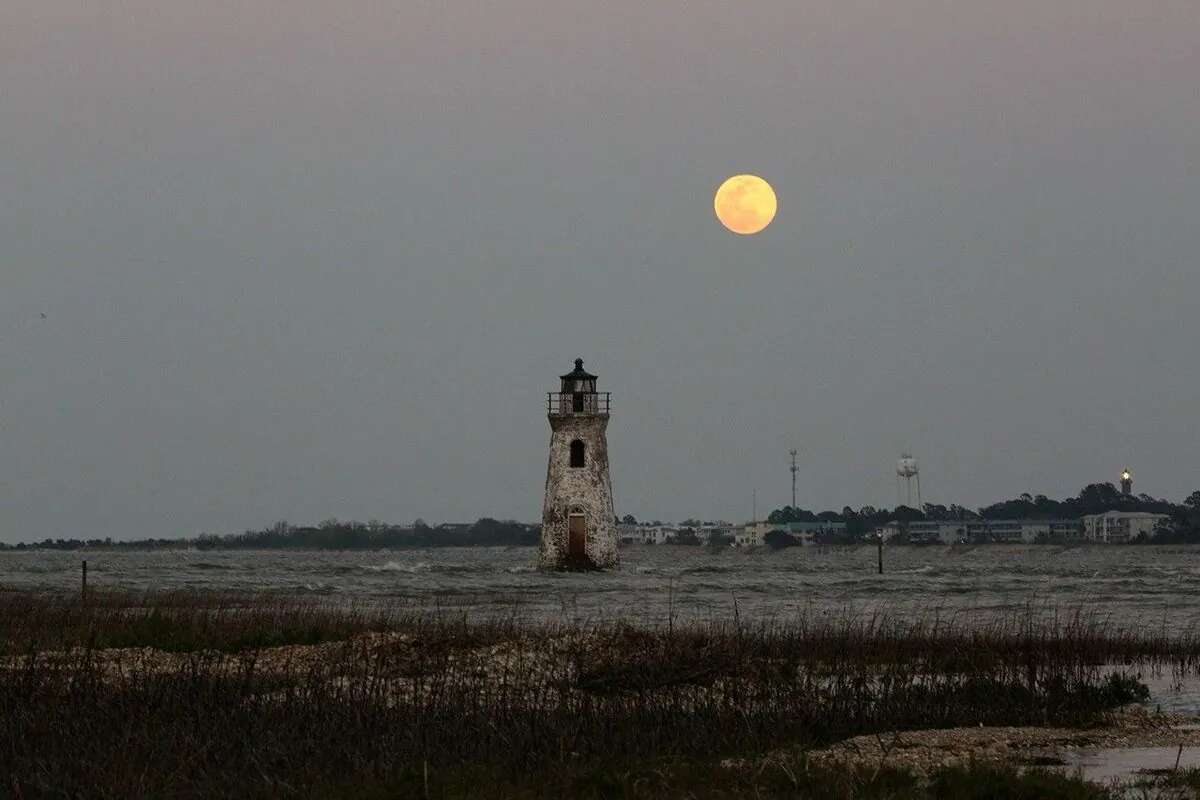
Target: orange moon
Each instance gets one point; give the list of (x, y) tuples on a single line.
[(745, 204)]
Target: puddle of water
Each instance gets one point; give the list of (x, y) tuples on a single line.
[(1172, 694), (1122, 763), (1168, 692)]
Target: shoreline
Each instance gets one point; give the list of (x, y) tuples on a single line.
[(191, 547)]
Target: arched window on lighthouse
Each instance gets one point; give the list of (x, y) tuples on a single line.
[(578, 450)]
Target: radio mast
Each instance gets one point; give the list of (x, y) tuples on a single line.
[(792, 452)]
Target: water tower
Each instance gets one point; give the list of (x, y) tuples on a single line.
[(908, 471), (579, 528)]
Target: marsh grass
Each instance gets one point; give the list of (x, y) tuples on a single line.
[(174, 622), (380, 698), (1173, 784)]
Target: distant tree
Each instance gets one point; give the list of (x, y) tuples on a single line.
[(961, 512), (488, 531), (856, 525), (777, 540), (719, 541), (782, 516), (1021, 508), (1098, 498), (684, 536), (907, 514), (934, 511), (1047, 508), (629, 519)]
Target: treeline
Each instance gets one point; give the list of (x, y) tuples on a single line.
[(329, 535), (107, 543), (1096, 498), (333, 534)]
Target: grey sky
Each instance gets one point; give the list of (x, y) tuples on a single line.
[(304, 259)]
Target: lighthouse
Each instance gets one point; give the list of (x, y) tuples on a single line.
[(578, 524)]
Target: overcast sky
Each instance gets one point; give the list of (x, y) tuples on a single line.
[(312, 259)]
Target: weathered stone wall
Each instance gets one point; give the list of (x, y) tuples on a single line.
[(586, 489)]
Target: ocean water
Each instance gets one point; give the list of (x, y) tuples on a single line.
[(1156, 587)]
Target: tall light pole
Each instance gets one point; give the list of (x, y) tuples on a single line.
[(792, 452)]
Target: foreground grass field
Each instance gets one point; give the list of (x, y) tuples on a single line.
[(193, 695)]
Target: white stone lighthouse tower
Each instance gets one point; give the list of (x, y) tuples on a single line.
[(579, 528)]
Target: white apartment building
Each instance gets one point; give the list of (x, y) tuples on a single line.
[(663, 534), (753, 534), (644, 534), (1120, 526), (980, 530), (1025, 531), (930, 531), (705, 533)]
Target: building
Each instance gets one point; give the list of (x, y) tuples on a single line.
[(1026, 531), (933, 531), (807, 532), (579, 528), (751, 534), (648, 533), (926, 531), (644, 533), (754, 534), (1115, 527), (709, 531)]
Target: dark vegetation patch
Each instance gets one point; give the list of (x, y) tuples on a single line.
[(392, 700)]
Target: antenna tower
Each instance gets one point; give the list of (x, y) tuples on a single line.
[(793, 454)]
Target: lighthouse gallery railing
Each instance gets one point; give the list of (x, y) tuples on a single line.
[(564, 403)]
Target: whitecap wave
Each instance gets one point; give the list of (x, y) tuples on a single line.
[(396, 566)]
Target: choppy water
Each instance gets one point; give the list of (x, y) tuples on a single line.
[(1158, 586)]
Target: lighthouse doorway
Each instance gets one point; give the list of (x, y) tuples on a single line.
[(576, 536)]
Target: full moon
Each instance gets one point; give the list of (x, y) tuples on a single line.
[(745, 204)]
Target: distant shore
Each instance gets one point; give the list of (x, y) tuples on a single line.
[(193, 545)]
